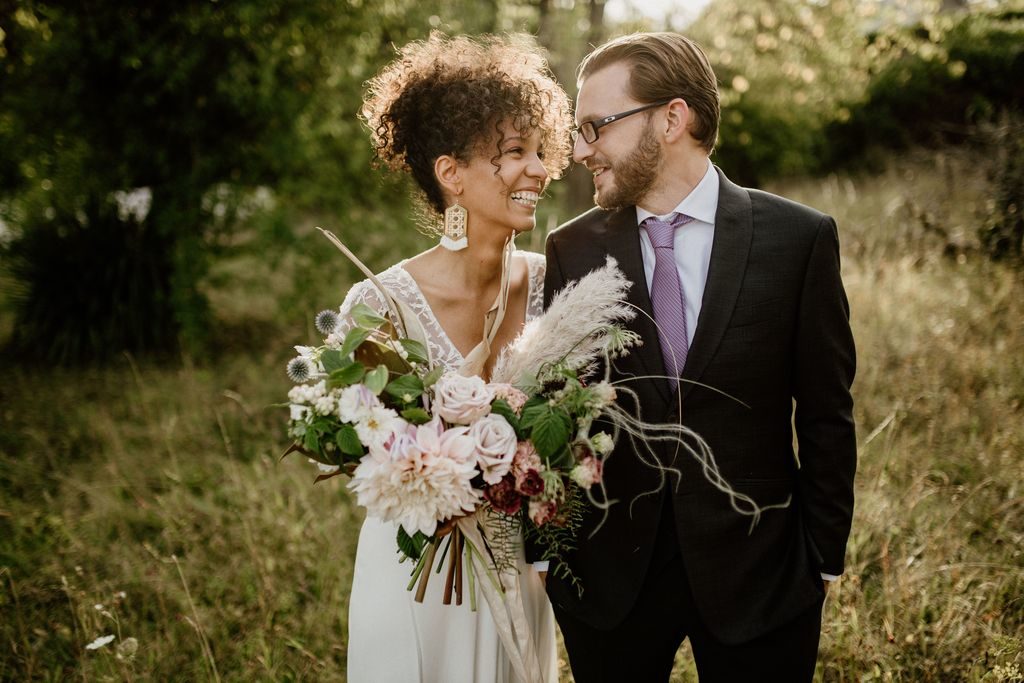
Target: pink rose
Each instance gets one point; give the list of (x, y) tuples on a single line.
[(462, 400), (495, 446), (542, 511), (504, 497), (510, 395)]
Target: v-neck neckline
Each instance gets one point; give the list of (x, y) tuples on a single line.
[(430, 310)]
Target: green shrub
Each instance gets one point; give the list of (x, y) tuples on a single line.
[(936, 84), (93, 284)]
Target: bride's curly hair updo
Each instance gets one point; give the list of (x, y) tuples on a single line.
[(449, 95)]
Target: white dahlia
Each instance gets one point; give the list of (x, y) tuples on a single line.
[(424, 477)]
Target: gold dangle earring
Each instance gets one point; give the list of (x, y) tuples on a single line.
[(454, 237)]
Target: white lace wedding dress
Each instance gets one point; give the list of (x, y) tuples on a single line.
[(393, 638)]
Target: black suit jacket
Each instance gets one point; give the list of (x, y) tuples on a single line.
[(774, 333)]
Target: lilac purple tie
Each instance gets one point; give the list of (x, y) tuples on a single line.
[(667, 294)]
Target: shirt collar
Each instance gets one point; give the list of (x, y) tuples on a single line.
[(701, 204)]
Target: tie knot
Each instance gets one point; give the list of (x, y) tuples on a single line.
[(662, 232)]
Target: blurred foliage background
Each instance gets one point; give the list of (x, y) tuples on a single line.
[(143, 142), (162, 166)]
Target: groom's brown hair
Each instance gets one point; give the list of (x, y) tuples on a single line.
[(662, 66)]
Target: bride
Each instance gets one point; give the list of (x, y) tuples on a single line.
[(481, 126)]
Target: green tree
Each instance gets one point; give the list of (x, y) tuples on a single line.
[(783, 67), (198, 101), (182, 98)]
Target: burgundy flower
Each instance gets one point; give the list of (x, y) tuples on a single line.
[(503, 496), (530, 483)]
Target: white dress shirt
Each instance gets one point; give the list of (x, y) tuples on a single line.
[(692, 244)]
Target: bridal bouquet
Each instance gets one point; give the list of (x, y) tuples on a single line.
[(425, 446)]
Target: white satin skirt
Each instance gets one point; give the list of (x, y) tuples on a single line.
[(394, 639)]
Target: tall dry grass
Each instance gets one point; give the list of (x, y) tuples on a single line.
[(145, 500)]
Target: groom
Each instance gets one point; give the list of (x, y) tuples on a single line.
[(751, 314)]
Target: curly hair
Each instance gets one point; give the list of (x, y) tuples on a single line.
[(449, 95)]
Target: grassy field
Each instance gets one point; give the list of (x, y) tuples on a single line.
[(145, 500)]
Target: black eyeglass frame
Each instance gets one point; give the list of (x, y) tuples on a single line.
[(597, 125)]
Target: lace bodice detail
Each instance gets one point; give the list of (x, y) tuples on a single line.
[(401, 285)]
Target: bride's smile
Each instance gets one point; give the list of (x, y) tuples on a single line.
[(503, 182)]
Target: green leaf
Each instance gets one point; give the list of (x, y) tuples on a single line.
[(560, 460), (376, 379), (347, 375), (417, 416), (501, 407), (406, 388), (411, 546), (532, 411), (333, 359), (417, 351), (353, 339), (432, 377), (550, 432), (366, 317), (311, 441), (348, 441)]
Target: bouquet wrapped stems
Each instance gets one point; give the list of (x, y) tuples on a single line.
[(454, 578), (453, 552)]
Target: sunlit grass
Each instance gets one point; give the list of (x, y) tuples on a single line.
[(145, 500)]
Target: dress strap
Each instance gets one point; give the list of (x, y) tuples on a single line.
[(477, 358)]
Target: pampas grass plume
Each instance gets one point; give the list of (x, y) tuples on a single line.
[(573, 329)]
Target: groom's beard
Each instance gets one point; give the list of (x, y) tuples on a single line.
[(635, 175)]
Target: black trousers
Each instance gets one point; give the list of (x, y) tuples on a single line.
[(644, 645)]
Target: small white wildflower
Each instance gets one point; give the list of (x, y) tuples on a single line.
[(325, 405), (102, 641), (326, 469), (122, 595), (298, 413), (98, 607)]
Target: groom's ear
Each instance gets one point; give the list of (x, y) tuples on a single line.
[(677, 120), (449, 174)]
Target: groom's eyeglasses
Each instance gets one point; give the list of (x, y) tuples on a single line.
[(588, 130)]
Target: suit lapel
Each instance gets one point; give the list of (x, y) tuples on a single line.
[(729, 252), (623, 242)]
